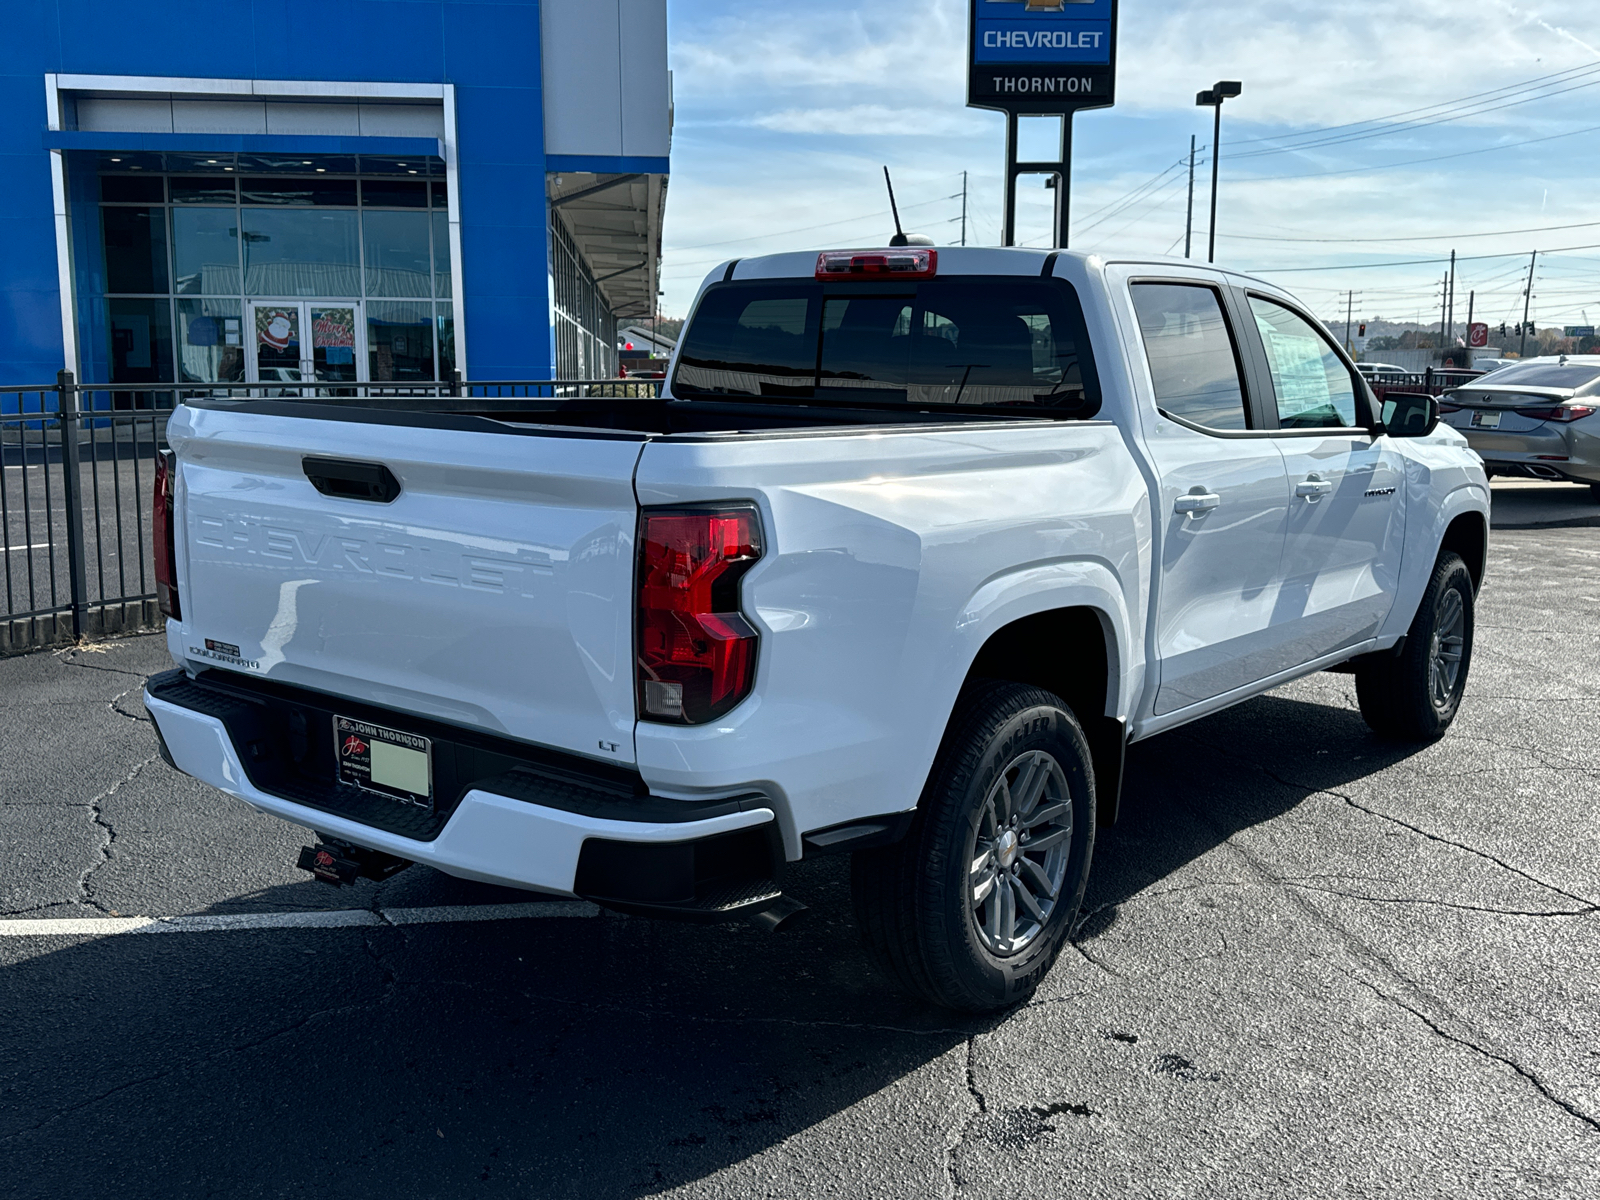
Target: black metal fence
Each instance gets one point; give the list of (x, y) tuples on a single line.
[(1435, 381), (77, 465)]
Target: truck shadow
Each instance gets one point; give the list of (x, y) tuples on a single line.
[(563, 1057), (1188, 791)]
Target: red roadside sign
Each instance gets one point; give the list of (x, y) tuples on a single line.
[(1477, 335)]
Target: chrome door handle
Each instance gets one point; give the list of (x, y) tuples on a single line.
[(1313, 488), (1196, 502)]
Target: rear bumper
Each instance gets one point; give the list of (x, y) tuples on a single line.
[(521, 830)]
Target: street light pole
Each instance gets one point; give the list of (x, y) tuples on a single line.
[(1223, 90)]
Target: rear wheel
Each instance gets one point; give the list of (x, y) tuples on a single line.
[(971, 908), (1594, 490), (1414, 696)]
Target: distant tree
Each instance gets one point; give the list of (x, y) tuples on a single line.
[(1383, 343)]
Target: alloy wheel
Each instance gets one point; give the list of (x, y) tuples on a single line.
[(1019, 854), (1448, 645)]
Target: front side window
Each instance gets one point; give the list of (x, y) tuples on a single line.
[(1313, 386), (1193, 363), (968, 341)]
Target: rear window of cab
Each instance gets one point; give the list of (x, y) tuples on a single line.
[(977, 342)]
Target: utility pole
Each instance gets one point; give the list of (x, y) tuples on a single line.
[(1444, 305), (1188, 227), (963, 208), (1527, 300), (1471, 296), (1349, 316), (1450, 337)]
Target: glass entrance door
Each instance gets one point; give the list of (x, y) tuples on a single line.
[(305, 341)]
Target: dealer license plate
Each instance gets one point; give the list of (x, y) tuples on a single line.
[(1486, 420), (389, 762)]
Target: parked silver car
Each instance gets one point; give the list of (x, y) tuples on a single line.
[(1539, 418)]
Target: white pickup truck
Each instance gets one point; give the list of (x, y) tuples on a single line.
[(914, 544)]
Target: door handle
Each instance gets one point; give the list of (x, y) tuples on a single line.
[(1313, 488), (1196, 502)]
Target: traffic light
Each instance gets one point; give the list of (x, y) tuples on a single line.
[(1502, 329), (1362, 329)]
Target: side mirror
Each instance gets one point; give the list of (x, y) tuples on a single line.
[(1410, 414)]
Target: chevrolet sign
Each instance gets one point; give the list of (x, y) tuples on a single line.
[(1042, 56)]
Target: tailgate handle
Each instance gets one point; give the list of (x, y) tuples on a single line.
[(346, 479)]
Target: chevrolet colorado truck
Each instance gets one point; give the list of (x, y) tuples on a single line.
[(914, 543)]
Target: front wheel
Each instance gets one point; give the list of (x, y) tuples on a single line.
[(1594, 490), (1414, 696), (972, 907)]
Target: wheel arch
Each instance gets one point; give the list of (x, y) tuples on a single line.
[(1468, 536), (1073, 652)]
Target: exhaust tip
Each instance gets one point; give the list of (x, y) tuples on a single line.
[(782, 913)]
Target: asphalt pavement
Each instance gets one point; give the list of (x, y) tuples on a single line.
[(1311, 964)]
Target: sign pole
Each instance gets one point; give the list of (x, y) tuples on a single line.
[(1064, 185), (1008, 234), (1045, 58)]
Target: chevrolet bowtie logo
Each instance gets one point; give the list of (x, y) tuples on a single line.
[(1043, 5)]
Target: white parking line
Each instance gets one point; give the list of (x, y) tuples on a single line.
[(335, 919)]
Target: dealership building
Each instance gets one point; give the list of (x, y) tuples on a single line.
[(342, 190)]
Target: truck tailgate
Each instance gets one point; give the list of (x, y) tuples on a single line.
[(494, 591)]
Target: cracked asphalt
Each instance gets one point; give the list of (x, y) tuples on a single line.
[(1310, 964)]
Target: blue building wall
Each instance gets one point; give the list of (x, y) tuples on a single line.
[(489, 51)]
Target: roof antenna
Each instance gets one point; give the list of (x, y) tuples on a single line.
[(899, 238)]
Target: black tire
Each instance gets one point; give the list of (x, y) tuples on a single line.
[(1411, 697), (919, 914), (1594, 492)]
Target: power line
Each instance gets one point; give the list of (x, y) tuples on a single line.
[(1434, 237), (1413, 262), (1536, 81), (1412, 162), (1465, 110)]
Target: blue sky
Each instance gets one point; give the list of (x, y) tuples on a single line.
[(785, 114)]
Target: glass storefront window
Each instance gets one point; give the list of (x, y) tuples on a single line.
[(394, 193), (303, 252), (307, 190), (195, 254), (210, 341), (441, 254), (136, 248), (141, 341), (399, 341), (137, 188), (445, 320), (205, 251), (203, 189), (397, 253)]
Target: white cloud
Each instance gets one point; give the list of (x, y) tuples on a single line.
[(786, 113), (870, 120)]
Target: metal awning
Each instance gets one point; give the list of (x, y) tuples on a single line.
[(615, 219)]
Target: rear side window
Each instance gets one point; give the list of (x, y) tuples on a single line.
[(1313, 386), (967, 341), (1193, 362)]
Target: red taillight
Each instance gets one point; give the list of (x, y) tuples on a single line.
[(697, 653), (1561, 412), (1448, 408), (164, 535), (850, 264)]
